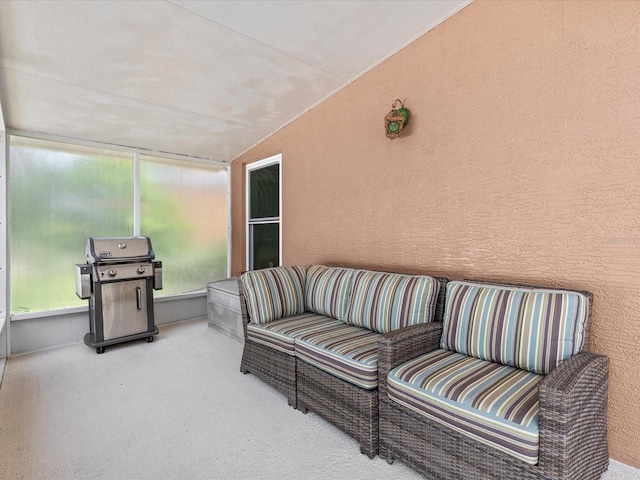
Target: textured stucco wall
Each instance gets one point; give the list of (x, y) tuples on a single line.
[(520, 163)]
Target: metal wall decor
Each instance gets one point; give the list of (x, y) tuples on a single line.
[(396, 119)]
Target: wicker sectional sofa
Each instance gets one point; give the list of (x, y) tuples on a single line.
[(457, 379), (312, 332)]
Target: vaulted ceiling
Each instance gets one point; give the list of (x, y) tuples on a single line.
[(207, 79)]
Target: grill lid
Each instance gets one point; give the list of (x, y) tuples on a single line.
[(118, 249)]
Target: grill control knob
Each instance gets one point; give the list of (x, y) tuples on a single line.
[(140, 269), (112, 272)]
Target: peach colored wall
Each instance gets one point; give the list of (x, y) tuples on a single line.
[(521, 163)]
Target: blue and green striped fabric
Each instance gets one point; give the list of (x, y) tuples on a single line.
[(492, 403), (384, 302), (328, 290), (274, 293), (348, 352), (532, 329), (280, 334)]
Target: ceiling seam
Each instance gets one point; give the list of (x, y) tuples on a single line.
[(252, 39), (118, 147), (226, 119)]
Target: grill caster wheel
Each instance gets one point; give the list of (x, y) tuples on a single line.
[(99, 350), (149, 339)]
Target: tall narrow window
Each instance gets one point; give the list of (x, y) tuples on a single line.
[(263, 213)]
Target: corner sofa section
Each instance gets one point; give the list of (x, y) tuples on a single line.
[(313, 333), (505, 390)]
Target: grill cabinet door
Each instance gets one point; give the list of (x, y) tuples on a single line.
[(124, 308)]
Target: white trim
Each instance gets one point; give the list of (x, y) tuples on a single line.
[(272, 160), (265, 162), (18, 317), (2, 126), (229, 212), (280, 212), (113, 146), (182, 296), (4, 240)]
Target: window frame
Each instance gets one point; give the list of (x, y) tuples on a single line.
[(135, 155), (266, 162), (5, 344)]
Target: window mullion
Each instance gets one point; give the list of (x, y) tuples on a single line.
[(264, 220), (136, 193)]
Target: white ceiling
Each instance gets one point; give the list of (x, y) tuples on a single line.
[(208, 79)]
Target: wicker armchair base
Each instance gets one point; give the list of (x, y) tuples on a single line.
[(273, 367), (352, 409), (443, 454), (573, 433)]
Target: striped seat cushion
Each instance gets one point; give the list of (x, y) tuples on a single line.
[(531, 329), (383, 302), (492, 403), (345, 351), (328, 290), (280, 334), (274, 293)]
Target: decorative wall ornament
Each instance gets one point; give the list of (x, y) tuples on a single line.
[(396, 119)]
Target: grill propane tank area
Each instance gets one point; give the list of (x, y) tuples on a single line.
[(118, 280)]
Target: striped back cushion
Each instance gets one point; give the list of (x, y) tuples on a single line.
[(528, 328), (383, 302), (328, 290), (274, 293)]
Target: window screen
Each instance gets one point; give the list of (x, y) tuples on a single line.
[(59, 195), (265, 192), (183, 209)]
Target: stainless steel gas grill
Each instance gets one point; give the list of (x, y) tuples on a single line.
[(118, 280)]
